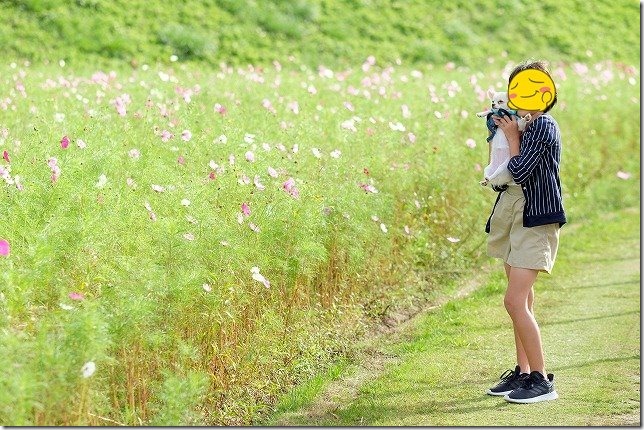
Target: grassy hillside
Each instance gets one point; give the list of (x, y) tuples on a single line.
[(332, 32), (181, 242)]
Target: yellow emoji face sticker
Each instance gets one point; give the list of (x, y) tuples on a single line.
[(531, 89)]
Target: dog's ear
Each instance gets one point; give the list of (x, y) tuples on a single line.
[(490, 94)]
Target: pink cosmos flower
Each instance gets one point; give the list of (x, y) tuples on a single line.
[(134, 153), (250, 156), (64, 142), (470, 143), (268, 106), (186, 135), (181, 160), (166, 135), (119, 104), (4, 247), (5, 155), (55, 170), (289, 187), (76, 296), (243, 180), (245, 209), (369, 188), (294, 107)]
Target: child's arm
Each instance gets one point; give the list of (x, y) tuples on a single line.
[(536, 141)]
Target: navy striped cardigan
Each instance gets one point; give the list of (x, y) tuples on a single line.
[(536, 169)]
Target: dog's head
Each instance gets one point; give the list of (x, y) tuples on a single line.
[(499, 99)]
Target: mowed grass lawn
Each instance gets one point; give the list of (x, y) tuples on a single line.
[(589, 313)]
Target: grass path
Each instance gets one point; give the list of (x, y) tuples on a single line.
[(435, 369)]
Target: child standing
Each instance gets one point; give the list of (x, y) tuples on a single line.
[(524, 226)]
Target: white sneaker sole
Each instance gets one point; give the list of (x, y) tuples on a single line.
[(548, 396), (498, 393)]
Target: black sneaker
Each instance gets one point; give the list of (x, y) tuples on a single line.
[(509, 381), (534, 389)]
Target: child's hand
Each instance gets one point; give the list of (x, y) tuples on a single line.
[(510, 128)]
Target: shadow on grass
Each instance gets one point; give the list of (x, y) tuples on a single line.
[(599, 317), (403, 403), (609, 284), (508, 326), (594, 260), (595, 362), (387, 407)]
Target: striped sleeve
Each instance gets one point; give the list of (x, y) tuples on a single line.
[(536, 141)]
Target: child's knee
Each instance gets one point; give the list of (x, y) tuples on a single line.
[(514, 304)]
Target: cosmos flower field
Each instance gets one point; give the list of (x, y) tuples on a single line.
[(180, 245)]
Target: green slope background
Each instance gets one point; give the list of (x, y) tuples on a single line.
[(201, 34), (331, 32)]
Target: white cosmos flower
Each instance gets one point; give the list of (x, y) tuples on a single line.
[(102, 180), (88, 369), (259, 277)]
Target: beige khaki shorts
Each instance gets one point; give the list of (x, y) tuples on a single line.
[(519, 246)]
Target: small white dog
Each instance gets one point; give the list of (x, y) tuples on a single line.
[(496, 173)]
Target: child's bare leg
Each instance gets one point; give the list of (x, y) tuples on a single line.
[(519, 299), (522, 358)]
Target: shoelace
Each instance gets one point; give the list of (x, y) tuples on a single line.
[(507, 375), (529, 382)]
